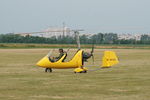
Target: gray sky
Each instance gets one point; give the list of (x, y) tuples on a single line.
[(120, 16)]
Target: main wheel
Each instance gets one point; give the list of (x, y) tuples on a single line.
[(48, 70), (84, 71)]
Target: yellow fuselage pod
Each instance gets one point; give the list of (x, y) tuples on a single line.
[(74, 63)]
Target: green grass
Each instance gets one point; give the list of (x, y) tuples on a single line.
[(20, 79), (100, 46)]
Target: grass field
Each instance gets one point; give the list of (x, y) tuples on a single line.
[(20, 79), (100, 46)]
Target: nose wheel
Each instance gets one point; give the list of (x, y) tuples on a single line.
[(48, 70)]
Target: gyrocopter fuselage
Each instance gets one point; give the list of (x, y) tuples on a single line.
[(109, 59), (75, 62)]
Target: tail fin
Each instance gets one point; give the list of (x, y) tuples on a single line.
[(109, 59)]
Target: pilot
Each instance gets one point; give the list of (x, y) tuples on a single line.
[(61, 53)]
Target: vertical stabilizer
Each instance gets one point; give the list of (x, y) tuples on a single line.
[(109, 59)]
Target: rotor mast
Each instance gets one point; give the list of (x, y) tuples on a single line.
[(76, 32), (77, 39)]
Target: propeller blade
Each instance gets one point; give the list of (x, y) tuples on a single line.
[(93, 58), (92, 51)]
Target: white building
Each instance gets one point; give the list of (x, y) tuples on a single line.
[(129, 36), (54, 31)]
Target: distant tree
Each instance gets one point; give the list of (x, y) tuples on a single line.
[(97, 38), (145, 39), (110, 38), (100, 38), (84, 39)]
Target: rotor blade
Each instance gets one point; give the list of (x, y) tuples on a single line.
[(49, 31), (40, 32)]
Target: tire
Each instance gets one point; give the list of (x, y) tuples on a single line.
[(48, 70), (85, 71)]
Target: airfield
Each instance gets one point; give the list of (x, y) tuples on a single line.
[(21, 79)]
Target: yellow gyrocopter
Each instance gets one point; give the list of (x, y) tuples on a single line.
[(109, 59)]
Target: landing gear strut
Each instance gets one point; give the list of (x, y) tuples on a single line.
[(48, 70)]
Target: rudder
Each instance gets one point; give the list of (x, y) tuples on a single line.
[(109, 59)]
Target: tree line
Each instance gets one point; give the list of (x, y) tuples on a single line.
[(100, 38)]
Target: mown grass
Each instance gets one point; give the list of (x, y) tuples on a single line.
[(20, 79)]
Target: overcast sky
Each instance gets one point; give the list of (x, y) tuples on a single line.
[(120, 16)]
